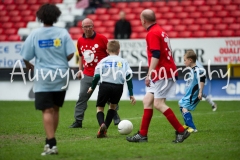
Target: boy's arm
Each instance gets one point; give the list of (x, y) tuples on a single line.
[(96, 78), (202, 81), (130, 88)]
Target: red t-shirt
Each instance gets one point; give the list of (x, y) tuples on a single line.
[(92, 50), (157, 39)]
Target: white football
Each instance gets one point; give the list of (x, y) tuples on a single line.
[(125, 127)]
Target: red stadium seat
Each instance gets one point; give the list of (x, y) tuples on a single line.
[(235, 13), (100, 29), (122, 5), (213, 33), (97, 23), (131, 17), (185, 3), (134, 35), (172, 34), (212, 2), (147, 4), (188, 21), (201, 21), (26, 13), (225, 2), (207, 27), (2, 7), (236, 2), (138, 29), (11, 7), (180, 28), (228, 20), (135, 22), (203, 8), (215, 20), (231, 7), (108, 35), (227, 33), (155, 9), (32, 2), (44, 1), (92, 16), (111, 29), (3, 38), (76, 36), (216, 7), (169, 15), (185, 34), (181, 15), (167, 28), (159, 3), (14, 13), (198, 2), (195, 15), (3, 13), (208, 14), (133, 5), (113, 11), (34, 7), (177, 9), (137, 10), (20, 1), (14, 38), (79, 24), (190, 9), (234, 26), (100, 11), (10, 31), (56, 1), (127, 10), (198, 34), (158, 15), (222, 14), (193, 27), (4, 19), (104, 17), (75, 30), (20, 25), (174, 21), (7, 2), (142, 35), (109, 23), (162, 21), (220, 26), (29, 18), (172, 3), (7, 25), (237, 33), (115, 17), (164, 9), (22, 7)]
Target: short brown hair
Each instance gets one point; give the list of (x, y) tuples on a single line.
[(191, 54), (113, 46)]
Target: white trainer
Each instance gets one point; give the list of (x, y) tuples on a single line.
[(48, 150), (214, 107)]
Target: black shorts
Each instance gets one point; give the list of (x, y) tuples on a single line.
[(109, 92), (44, 100)]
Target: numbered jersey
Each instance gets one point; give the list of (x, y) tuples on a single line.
[(157, 39)]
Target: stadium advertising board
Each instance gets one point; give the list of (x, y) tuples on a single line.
[(18, 90), (216, 51)]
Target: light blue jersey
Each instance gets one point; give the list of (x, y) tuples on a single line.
[(203, 69), (190, 99), (113, 69), (50, 47)]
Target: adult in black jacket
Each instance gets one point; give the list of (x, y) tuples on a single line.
[(122, 28)]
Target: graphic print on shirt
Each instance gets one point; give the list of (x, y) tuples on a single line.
[(47, 43), (89, 54), (169, 49)]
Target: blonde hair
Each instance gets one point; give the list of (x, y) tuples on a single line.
[(113, 46), (191, 54)]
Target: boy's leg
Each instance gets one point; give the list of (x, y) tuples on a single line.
[(188, 118), (110, 114), (210, 101), (116, 117)]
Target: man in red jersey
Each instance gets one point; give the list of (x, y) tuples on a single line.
[(160, 80), (92, 48)]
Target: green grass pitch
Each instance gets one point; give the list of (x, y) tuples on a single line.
[(218, 137)]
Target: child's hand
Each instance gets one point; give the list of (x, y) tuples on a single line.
[(89, 90), (200, 95), (133, 101)]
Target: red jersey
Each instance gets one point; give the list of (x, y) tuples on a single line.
[(92, 50), (157, 39)]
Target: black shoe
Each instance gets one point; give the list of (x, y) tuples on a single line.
[(76, 124), (180, 137), (137, 138), (116, 119)]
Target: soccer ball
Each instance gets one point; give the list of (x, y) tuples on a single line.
[(125, 127)]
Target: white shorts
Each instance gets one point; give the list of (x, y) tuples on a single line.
[(162, 89)]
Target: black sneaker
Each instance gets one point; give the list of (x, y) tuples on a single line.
[(180, 137), (76, 124), (137, 138), (116, 119)]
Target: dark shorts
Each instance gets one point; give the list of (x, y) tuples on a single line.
[(109, 92), (44, 100)]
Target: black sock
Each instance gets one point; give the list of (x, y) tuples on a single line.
[(46, 141), (100, 118), (109, 117), (52, 142)]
